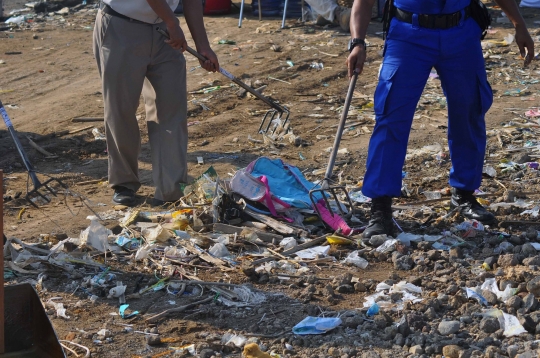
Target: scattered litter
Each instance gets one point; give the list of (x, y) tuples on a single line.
[(316, 325)]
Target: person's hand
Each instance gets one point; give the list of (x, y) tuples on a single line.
[(176, 40), (212, 63), (356, 59), (524, 41)]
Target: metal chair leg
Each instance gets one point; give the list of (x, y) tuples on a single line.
[(241, 13), (284, 14)]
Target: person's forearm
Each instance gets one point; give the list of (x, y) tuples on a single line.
[(163, 10), (360, 17), (193, 13), (511, 10)]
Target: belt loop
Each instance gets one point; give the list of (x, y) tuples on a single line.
[(415, 21), (462, 19)]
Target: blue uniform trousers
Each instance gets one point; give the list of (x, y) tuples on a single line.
[(410, 54)]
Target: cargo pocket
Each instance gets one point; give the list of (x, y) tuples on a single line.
[(485, 92), (386, 77)]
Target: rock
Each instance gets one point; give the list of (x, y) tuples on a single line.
[(206, 353), (532, 261), (514, 302), (527, 322), (528, 354), (352, 322), (512, 351), (492, 352), (399, 340), (430, 313), (451, 351), (491, 261), (447, 328), (533, 286), (370, 354), (521, 158), (404, 263), (378, 240), (152, 340), (528, 250), (490, 297), (489, 324), (345, 289), (508, 260), (456, 253), (360, 287), (416, 349), (333, 352), (530, 302), (531, 234)]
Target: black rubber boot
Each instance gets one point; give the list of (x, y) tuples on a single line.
[(381, 218), (469, 207)]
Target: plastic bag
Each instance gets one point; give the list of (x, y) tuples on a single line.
[(354, 259), (158, 233), (510, 324), (491, 285), (316, 325), (236, 339), (288, 243), (373, 310), (471, 293), (96, 235), (313, 252), (219, 250), (387, 246)]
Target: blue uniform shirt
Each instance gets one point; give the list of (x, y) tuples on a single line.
[(431, 6)]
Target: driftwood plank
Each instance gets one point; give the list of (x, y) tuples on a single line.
[(264, 236)]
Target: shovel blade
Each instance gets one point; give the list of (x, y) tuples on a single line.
[(28, 331)]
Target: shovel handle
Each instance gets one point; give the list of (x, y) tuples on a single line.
[(230, 76), (340, 129), (18, 145)]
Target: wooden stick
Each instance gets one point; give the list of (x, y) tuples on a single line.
[(2, 338), (177, 309), (80, 129), (39, 149), (88, 119)]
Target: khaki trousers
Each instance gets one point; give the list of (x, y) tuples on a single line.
[(133, 58)]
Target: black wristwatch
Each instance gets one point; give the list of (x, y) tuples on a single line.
[(354, 42)]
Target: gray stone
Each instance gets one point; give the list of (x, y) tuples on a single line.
[(529, 354), (532, 261), (528, 250), (490, 297), (206, 353), (378, 240), (514, 302), (491, 261), (508, 260), (533, 286), (360, 287), (521, 158), (399, 340), (416, 349), (404, 263), (492, 352), (512, 351), (530, 302), (371, 354), (352, 322), (447, 328), (489, 324), (430, 313), (152, 340), (345, 289)]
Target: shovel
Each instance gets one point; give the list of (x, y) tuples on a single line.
[(326, 189), (25, 329), (46, 186), (278, 115)]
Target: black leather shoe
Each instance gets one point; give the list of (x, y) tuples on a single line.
[(381, 221), (123, 196), (469, 207)]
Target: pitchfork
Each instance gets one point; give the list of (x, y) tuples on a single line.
[(277, 115), (34, 193), (326, 188)]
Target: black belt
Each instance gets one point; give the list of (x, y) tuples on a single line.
[(109, 10), (440, 22)]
